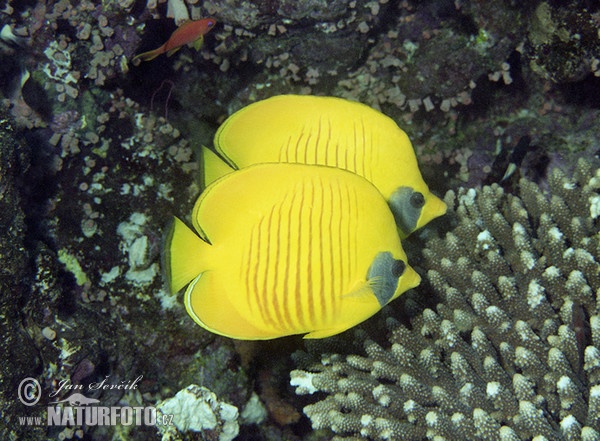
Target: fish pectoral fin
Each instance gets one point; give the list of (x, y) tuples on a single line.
[(199, 42), (363, 291)]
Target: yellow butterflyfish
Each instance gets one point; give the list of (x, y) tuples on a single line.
[(283, 249), (328, 131)]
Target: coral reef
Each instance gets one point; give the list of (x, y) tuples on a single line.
[(563, 43), (512, 349), (18, 350)]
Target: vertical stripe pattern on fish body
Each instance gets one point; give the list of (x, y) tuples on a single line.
[(299, 261), (287, 249), (317, 143)]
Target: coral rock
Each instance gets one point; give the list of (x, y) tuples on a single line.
[(511, 350)]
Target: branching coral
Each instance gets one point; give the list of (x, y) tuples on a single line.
[(512, 350)]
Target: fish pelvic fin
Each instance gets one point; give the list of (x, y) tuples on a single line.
[(328, 332), (199, 42), (184, 255)]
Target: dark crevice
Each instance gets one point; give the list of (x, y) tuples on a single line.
[(585, 92)]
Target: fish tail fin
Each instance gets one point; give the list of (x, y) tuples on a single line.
[(147, 56), (183, 256), (213, 166)]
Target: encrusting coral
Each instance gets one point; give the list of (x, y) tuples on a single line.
[(512, 350)]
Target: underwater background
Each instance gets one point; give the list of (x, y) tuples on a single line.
[(501, 101)]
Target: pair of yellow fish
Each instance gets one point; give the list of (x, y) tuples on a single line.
[(300, 224)]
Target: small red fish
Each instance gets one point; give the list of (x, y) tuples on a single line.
[(191, 33)]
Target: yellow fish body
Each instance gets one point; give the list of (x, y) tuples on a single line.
[(287, 249), (329, 131)]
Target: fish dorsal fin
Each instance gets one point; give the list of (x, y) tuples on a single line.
[(241, 193), (329, 131), (253, 192), (322, 130)]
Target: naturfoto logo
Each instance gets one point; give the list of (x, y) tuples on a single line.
[(78, 409)]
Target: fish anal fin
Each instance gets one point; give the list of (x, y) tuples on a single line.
[(207, 302), (147, 56), (172, 51)]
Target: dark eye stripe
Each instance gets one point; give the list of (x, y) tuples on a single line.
[(398, 268), (417, 200)]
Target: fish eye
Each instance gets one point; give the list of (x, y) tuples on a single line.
[(417, 200), (398, 268), (210, 24)]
